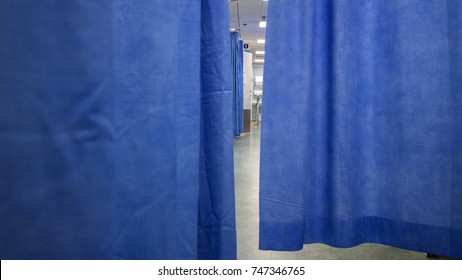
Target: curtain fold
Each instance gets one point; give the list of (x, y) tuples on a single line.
[(217, 228), (237, 70), (372, 150), (112, 112)]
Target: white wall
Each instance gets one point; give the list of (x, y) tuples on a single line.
[(258, 69), (248, 80)]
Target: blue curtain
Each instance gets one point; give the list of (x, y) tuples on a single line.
[(217, 228), (362, 125), (115, 130), (237, 70)]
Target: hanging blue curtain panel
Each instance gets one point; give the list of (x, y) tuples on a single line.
[(107, 109), (237, 71), (362, 125), (217, 228)]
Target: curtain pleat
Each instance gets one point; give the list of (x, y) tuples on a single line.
[(237, 71)]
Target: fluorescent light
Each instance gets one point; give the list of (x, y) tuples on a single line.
[(263, 21), (260, 52), (259, 60), (261, 41)]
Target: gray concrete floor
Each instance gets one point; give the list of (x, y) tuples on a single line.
[(247, 165)]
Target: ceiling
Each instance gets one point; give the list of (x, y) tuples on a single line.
[(250, 13)]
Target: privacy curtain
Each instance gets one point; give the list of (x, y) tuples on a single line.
[(237, 71), (362, 125), (115, 130)]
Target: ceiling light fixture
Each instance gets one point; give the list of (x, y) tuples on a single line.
[(261, 41), (259, 60), (260, 52), (263, 22)]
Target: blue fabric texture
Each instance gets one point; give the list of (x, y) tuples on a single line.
[(362, 126), (217, 228), (115, 130), (237, 70)]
